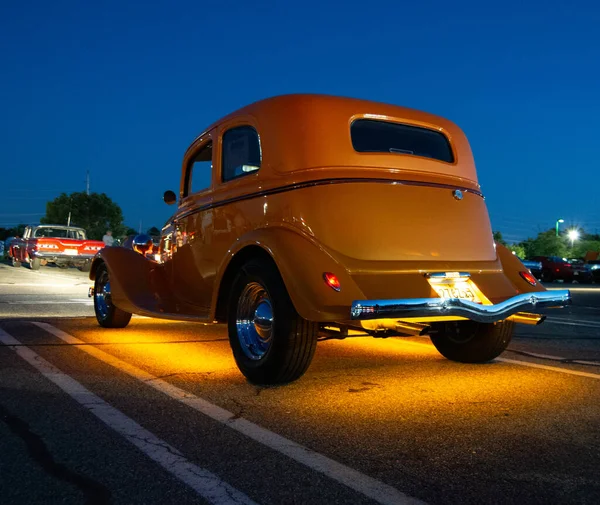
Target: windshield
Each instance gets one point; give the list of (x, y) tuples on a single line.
[(59, 233)]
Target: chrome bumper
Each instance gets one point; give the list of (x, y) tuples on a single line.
[(432, 307)]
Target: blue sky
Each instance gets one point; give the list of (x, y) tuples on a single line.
[(121, 88)]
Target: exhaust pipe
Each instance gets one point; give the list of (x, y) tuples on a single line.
[(413, 329), (527, 318)]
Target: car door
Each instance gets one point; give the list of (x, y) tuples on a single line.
[(191, 231)]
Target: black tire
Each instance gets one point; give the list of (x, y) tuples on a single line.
[(547, 275), (107, 314), (15, 262), (284, 344), (35, 263), (470, 341), (86, 267)]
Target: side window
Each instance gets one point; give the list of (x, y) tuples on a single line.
[(241, 152), (200, 171)]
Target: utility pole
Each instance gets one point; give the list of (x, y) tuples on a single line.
[(87, 183)]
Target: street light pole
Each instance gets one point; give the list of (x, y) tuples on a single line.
[(558, 221)]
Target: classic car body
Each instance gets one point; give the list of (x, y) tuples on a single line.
[(306, 216), (48, 243)]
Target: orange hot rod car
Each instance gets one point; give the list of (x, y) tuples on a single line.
[(307, 216)]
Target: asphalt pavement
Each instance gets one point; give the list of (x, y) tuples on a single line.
[(158, 412)]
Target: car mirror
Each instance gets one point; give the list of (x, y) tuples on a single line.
[(169, 197)]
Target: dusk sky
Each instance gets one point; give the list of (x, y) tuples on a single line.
[(121, 88)]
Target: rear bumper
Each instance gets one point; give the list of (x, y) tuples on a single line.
[(440, 307), (74, 258)]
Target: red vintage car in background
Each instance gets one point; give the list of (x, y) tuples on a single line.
[(47, 243)]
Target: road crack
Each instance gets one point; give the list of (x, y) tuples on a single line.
[(95, 493)]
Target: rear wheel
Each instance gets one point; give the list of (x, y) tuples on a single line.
[(107, 314), (15, 262), (547, 275), (271, 342), (35, 263), (470, 341)]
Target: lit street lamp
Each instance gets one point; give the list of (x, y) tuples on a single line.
[(573, 236), (558, 221)]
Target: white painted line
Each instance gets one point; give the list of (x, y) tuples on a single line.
[(368, 486), (571, 288), (205, 483), (573, 322), (551, 368), (518, 362), (40, 285), (50, 302)]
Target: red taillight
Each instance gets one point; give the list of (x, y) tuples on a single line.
[(528, 277), (332, 281), (567, 264)]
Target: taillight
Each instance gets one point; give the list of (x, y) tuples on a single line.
[(332, 281), (528, 277)]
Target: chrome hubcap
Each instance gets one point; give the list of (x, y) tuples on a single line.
[(254, 321), (102, 295)]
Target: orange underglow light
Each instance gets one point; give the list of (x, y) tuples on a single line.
[(332, 281), (528, 277)]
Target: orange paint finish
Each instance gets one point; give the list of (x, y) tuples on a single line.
[(377, 220)]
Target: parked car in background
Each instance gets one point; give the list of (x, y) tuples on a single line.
[(581, 272), (535, 267), (47, 243), (302, 217), (593, 267), (557, 268), (7, 243)]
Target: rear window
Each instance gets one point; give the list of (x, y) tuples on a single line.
[(370, 136)]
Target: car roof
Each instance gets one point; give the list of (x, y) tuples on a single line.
[(304, 131)]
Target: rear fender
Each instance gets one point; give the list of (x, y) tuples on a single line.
[(511, 266), (301, 263)]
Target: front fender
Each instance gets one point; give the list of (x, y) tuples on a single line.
[(301, 262), (137, 284)]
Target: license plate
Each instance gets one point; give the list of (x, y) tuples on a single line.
[(71, 252), (464, 289)]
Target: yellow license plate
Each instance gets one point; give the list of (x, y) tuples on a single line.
[(456, 288)]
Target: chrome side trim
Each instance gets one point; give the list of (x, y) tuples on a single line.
[(322, 182), (431, 307)]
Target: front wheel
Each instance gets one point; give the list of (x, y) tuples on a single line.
[(107, 314), (271, 342), (470, 341)]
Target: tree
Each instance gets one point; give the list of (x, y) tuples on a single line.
[(546, 244), (95, 212), (154, 232), (518, 249), (498, 238)]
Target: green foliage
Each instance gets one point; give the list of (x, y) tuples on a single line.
[(95, 212), (518, 249), (16, 231), (498, 238), (581, 247), (153, 232), (546, 244)]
